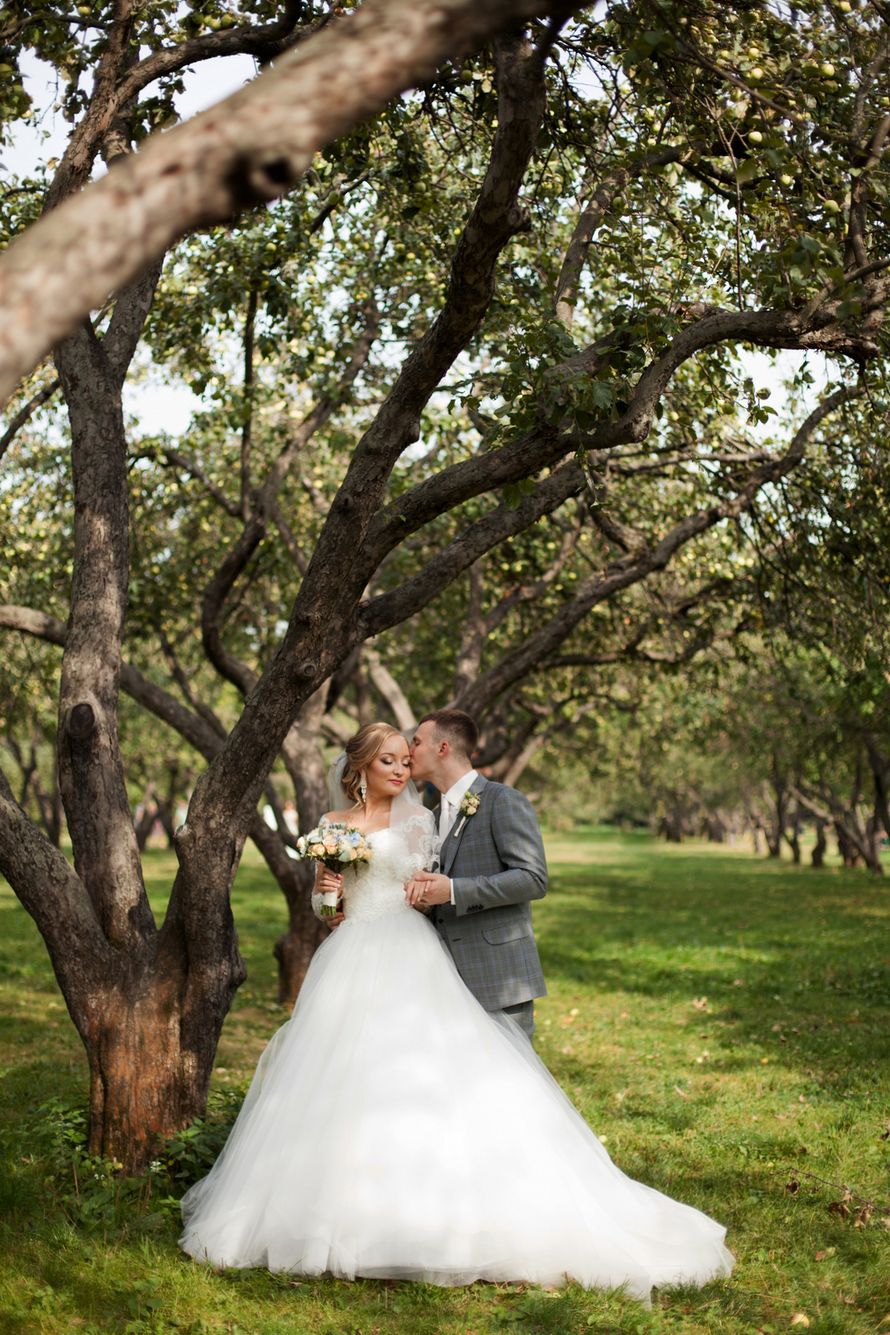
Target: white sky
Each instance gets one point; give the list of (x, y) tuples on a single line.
[(160, 407)]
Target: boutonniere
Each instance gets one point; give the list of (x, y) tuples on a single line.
[(468, 807)]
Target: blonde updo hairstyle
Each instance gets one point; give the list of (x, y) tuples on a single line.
[(361, 749)]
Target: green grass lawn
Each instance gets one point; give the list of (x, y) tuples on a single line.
[(723, 1022)]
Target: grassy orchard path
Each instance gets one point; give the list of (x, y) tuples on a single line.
[(722, 1021)]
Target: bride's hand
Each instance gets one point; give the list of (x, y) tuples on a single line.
[(413, 898), (426, 889), (328, 882)]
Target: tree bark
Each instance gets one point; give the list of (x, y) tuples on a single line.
[(145, 816), (849, 852), (151, 1040), (296, 946), (879, 762), (776, 831), (857, 839), (672, 824), (715, 828), (793, 835)]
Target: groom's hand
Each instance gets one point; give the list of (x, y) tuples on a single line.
[(428, 888)]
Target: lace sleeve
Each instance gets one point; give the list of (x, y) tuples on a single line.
[(418, 829)]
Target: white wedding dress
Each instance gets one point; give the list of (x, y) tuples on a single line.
[(396, 1129)]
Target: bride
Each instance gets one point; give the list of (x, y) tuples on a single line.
[(395, 1129)]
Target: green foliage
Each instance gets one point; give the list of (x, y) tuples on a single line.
[(188, 1156), (92, 1193), (88, 1191), (376, 223)]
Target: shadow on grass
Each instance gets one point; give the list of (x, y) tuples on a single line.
[(785, 958)]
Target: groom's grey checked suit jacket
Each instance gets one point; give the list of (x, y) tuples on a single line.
[(496, 862)]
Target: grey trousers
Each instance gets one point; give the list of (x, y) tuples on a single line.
[(524, 1015)]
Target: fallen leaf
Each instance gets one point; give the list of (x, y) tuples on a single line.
[(800, 1319)]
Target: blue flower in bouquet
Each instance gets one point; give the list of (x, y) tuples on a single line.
[(337, 847)]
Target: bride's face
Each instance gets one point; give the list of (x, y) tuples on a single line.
[(390, 769)]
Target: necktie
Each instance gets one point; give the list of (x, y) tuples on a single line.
[(446, 817)]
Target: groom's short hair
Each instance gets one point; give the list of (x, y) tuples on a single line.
[(457, 727)]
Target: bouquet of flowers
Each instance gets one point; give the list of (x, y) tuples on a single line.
[(337, 847)]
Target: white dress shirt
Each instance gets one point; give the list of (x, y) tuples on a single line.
[(449, 806)]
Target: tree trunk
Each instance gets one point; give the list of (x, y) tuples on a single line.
[(672, 825), (880, 768), (296, 946), (845, 846), (147, 1079), (873, 844), (302, 754), (793, 836), (51, 813), (757, 834), (818, 855), (776, 830), (144, 817), (715, 829)]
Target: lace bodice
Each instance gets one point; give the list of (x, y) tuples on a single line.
[(378, 887)]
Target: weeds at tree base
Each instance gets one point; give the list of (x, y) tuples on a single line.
[(94, 1194)]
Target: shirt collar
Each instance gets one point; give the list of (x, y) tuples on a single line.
[(457, 790)]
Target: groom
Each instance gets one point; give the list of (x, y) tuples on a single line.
[(491, 866)]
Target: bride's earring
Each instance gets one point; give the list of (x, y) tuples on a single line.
[(362, 790)]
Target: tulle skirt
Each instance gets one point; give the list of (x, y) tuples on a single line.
[(395, 1129)]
